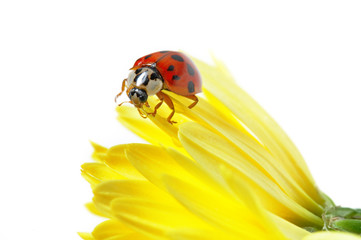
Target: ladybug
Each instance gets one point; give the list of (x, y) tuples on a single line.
[(164, 70)]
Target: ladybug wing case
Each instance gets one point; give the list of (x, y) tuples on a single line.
[(179, 73), (149, 59)]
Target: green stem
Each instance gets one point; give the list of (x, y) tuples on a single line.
[(342, 219)]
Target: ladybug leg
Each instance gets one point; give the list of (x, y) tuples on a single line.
[(123, 87), (157, 106), (194, 98), (141, 114), (168, 101)]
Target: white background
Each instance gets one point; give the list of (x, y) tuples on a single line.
[(62, 62)]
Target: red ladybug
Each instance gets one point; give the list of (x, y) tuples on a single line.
[(164, 70)]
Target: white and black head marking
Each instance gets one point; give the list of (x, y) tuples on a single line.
[(143, 82)]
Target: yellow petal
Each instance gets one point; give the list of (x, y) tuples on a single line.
[(207, 114), (213, 151), (219, 210), (115, 230), (107, 191), (86, 236), (145, 128), (289, 230), (247, 196), (201, 176), (153, 162), (99, 152), (151, 218), (110, 228), (253, 151), (95, 173), (116, 159), (259, 122), (92, 208), (192, 234)]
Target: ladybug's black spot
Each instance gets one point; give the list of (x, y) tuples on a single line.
[(148, 56), (170, 68), (138, 70), (153, 76), (190, 70), (145, 83), (163, 51), (175, 77), (177, 58), (190, 86)]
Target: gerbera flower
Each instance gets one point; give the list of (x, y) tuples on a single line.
[(226, 170)]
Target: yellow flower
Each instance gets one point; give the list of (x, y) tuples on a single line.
[(226, 170)]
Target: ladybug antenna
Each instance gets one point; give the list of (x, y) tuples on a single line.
[(117, 96), (123, 88)]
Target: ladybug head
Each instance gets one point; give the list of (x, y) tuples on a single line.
[(138, 96), (146, 79)]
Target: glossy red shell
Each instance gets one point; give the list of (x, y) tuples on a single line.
[(179, 73)]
